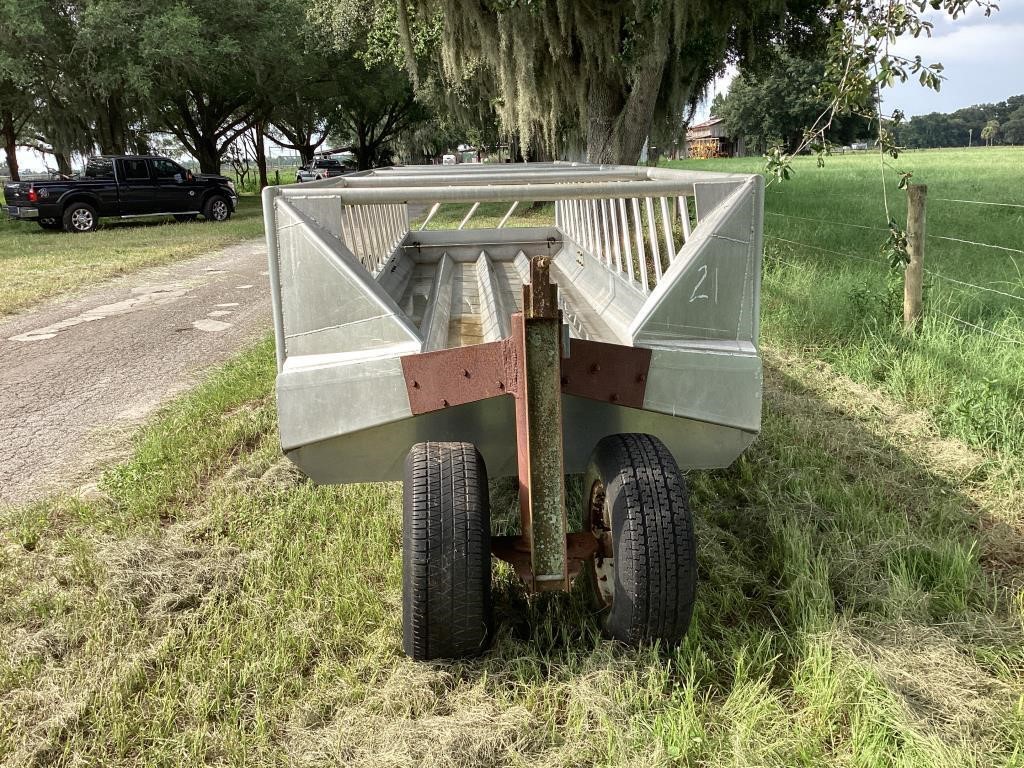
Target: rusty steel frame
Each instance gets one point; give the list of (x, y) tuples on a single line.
[(535, 366)]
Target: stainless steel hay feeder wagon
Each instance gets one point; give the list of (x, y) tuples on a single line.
[(620, 342)]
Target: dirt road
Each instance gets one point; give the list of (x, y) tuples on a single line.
[(78, 373)]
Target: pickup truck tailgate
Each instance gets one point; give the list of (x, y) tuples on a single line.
[(15, 193)]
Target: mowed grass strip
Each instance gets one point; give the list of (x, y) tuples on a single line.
[(37, 264), (860, 605)]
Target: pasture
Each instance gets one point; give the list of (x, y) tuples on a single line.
[(861, 594)]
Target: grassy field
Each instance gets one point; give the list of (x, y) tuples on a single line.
[(861, 598), (827, 289), (37, 264)]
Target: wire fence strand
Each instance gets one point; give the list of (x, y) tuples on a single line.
[(977, 202), (972, 242), (875, 261), (981, 328), (827, 221), (973, 285), (824, 250)]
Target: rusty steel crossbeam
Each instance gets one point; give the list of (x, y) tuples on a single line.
[(531, 366)]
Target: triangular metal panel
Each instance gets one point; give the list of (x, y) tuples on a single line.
[(330, 303)]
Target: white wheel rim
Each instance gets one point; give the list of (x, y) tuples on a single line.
[(601, 527), (220, 210), (81, 219)]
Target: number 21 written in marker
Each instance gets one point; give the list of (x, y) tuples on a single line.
[(697, 295)]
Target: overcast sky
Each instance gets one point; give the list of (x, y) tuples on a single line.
[(983, 60)]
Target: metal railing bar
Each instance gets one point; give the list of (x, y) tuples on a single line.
[(637, 225), (430, 216), (495, 192), (684, 216), (616, 242), (652, 232), (508, 214), (469, 215), (666, 225), (626, 238)]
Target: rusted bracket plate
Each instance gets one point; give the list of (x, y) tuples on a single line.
[(611, 373), (515, 550), (449, 377)]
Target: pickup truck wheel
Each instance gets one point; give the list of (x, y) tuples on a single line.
[(50, 224), (183, 217), (80, 217), (217, 209)]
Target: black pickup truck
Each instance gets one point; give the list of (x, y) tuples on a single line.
[(121, 186)]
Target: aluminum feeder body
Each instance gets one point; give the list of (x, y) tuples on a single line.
[(658, 282)]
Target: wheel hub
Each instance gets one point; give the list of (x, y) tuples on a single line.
[(81, 220), (604, 559)]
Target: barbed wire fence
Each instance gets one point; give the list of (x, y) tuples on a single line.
[(939, 275)]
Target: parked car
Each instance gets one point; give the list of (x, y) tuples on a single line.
[(122, 186), (321, 168), (449, 160)]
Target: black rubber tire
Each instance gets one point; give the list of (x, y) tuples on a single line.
[(185, 217), (210, 210), (446, 552), (634, 483), (50, 225), (75, 217)]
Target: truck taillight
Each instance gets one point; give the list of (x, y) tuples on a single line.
[(33, 196)]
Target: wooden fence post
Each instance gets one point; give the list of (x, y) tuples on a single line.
[(913, 276)]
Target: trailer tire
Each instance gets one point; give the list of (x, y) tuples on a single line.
[(635, 492), (446, 552)]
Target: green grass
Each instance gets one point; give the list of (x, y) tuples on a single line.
[(861, 599), (37, 264), (846, 311), (860, 605), (526, 214)]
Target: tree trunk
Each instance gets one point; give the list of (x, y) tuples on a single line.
[(261, 152), (619, 118), (63, 159), (207, 154), (10, 144), (110, 128)]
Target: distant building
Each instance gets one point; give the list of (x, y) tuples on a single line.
[(711, 139)]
